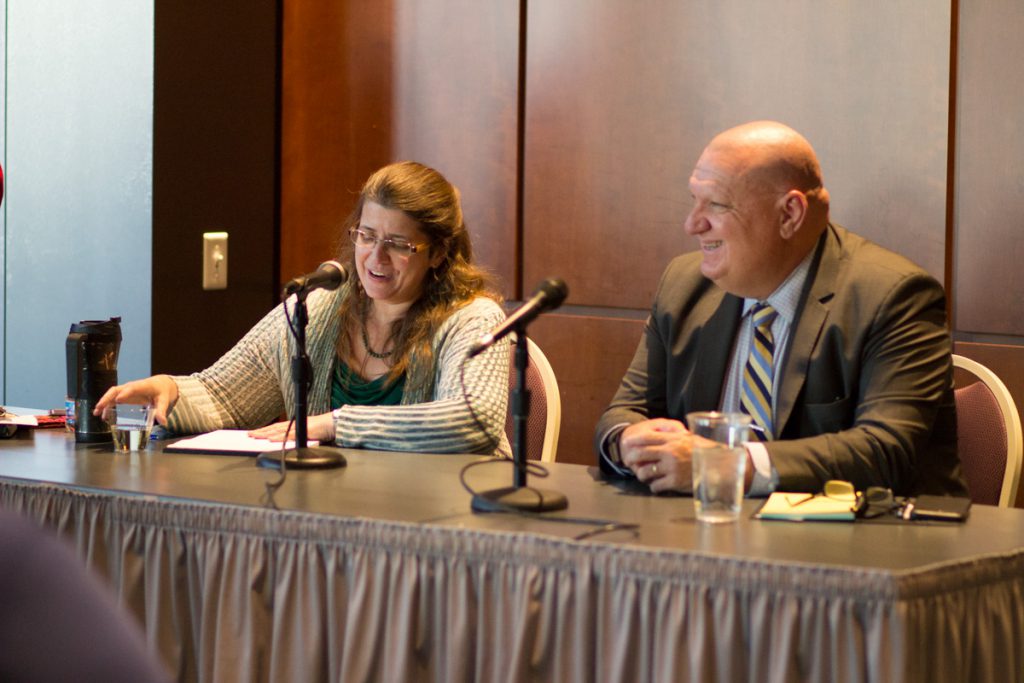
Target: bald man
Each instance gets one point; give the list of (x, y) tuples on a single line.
[(861, 371)]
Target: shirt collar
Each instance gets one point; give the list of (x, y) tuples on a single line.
[(786, 296)]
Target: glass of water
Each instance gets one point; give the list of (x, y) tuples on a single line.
[(719, 464), (130, 425)]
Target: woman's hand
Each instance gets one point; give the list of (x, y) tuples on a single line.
[(159, 391), (319, 428)]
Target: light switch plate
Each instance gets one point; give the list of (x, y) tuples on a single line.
[(215, 260)]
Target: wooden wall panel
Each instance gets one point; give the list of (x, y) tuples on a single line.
[(456, 74), (620, 101), (589, 356), (366, 83), (215, 106), (989, 174), (335, 120)]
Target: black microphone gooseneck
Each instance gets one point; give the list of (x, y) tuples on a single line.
[(549, 295), (330, 275)]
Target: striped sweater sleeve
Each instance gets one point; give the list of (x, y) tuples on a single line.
[(242, 390), (444, 422)]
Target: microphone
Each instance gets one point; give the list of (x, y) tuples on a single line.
[(549, 295), (328, 275)]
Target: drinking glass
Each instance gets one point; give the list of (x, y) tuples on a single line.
[(130, 425), (719, 466)]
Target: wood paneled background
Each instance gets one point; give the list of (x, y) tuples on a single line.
[(215, 167), (571, 127), (367, 83)]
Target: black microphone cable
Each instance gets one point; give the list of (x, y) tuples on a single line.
[(602, 526), (272, 486), (535, 469)]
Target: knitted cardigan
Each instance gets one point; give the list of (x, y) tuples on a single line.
[(251, 385)]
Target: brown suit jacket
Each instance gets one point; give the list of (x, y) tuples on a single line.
[(866, 390)]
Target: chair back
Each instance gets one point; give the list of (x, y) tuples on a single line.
[(545, 418), (989, 436)]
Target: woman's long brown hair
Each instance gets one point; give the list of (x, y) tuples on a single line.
[(428, 198)]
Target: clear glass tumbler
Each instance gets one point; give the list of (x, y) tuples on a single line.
[(719, 464)]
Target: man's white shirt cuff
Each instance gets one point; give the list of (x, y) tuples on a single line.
[(764, 481)]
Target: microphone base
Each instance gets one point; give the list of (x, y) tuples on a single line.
[(519, 498), (311, 457)]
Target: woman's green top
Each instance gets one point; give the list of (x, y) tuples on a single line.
[(348, 388)]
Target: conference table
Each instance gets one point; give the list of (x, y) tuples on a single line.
[(381, 571)]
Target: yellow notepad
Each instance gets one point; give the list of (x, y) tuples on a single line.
[(799, 507)]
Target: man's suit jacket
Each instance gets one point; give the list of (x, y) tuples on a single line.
[(866, 388)]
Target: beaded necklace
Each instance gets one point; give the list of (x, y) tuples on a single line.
[(366, 344)]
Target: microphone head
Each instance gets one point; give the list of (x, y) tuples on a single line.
[(330, 268), (328, 275), (552, 293)]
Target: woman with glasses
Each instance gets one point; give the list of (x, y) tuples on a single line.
[(387, 348)]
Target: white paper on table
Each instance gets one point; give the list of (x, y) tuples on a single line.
[(229, 442), (22, 420)]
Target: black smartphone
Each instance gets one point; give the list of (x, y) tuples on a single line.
[(939, 507)]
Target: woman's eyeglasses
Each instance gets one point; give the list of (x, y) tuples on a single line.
[(396, 246)]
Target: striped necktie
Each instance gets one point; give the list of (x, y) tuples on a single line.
[(756, 396)]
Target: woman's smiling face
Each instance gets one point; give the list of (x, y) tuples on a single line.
[(389, 278)]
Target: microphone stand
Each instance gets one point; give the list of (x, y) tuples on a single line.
[(302, 456), (519, 495)]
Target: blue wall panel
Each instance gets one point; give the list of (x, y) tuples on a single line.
[(77, 245)]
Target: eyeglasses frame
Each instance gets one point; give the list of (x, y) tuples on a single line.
[(390, 246)]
